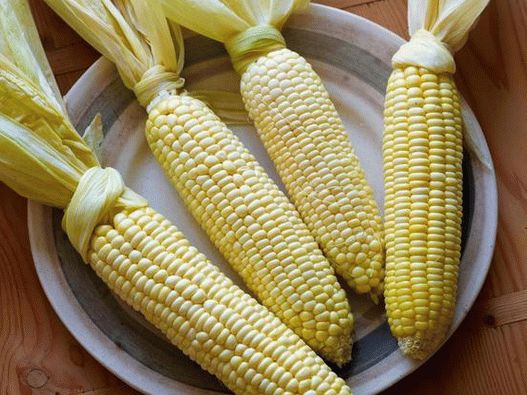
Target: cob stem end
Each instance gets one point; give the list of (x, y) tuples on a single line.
[(418, 348), (342, 354)]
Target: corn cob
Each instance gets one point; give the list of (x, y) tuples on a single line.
[(150, 265), (251, 221), (135, 251), (423, 154), (246, 216), (306, 140), (301, 130)]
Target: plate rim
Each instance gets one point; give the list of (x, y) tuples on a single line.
[(124, 365)]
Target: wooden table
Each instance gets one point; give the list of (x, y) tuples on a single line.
[(487, 354)]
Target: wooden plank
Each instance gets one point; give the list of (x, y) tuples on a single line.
[(477, 360), (67, 80), (54, 33), (507, 309), (390, 14), (75, 57), (493, 77), (121, 389), (38, 354)]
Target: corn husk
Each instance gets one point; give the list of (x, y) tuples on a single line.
[(42, 157), (223, 19), (147, 50), (29, 58), (438, 29), (448, 20), (132, 34), (227, 105)]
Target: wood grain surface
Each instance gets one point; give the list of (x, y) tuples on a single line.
[(487, 354)]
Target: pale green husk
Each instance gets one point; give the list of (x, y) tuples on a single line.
[(42, 157), (438, 29), (248, 28), (147, 50), (17, 24), (448, 20), (132, 34), (223, 19)]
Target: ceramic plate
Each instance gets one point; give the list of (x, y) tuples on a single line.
[(353, 57)]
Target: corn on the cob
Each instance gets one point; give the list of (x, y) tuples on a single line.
[(137, 252), (306, 140), (149, 264), (251, 221), (244, 213), (301, 131), (423, 153)]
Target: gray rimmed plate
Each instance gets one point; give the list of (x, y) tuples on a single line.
[(353, 57)]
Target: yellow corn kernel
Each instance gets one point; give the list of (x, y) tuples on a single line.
[(249, 219), (306, 140), (202, 312), (423, 152)]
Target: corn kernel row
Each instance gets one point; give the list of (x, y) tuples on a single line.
[(423, 153), (308, 144), (251, 222), (149, 264)]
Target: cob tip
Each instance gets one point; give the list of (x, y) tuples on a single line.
[(342, 354), (419, 348)]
